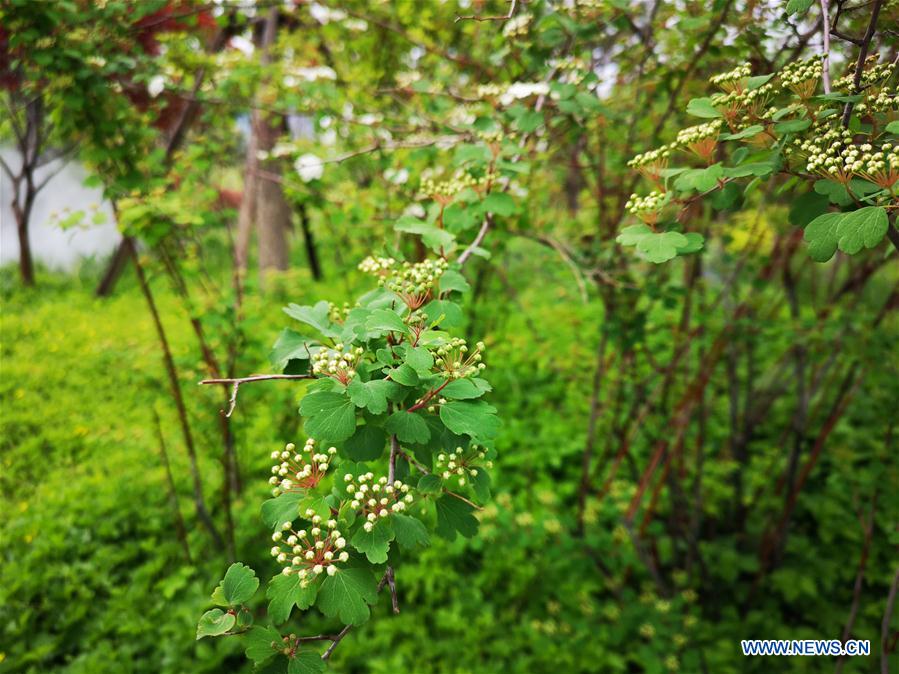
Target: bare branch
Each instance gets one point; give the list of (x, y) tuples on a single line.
[(236, 382), (503, 17)]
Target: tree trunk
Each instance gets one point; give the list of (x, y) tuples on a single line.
[(309, 240), (272, 211), (246, 216), (26, 263)]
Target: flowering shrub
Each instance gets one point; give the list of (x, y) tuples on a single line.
[(844, 145), (396, 402)]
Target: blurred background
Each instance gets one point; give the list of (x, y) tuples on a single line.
[(692, 453)]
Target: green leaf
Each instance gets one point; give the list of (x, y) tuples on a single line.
[(481, 485), (695, 242), (437, 239), (462, 389), (702, 107), (306, 662), (366, 444), (499, 203), (347, 595), (453, 280), (331, 416), (806, 207), (476, 419), (239, 585), (633, 234), (408, 427), (757, 81), (821, 236), (429, 484), (864, 228), (262, 643), (289, 346), (662, 246), (454, 515), (383, 321), (892, 127), (374, 544), (447, 314), (748, 132), (214, 623), (699, 180), (372, 395), (419, 359), (404, 375), (315, 316), (285, 592), (410, 532), (798, 6), (793, 126), (284, 508)]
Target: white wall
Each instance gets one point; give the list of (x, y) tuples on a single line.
[(50, 244)]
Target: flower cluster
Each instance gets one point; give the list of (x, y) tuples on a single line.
[(651, 164), (296, 471), (309, 554), (734, 80), (517, 26), (454, 359), (462, 463), (647, 208), (834, 154), (377, 266), (376, 499), (338, 363), (338, 314), (701, 139), (801, 77), (414, 283)]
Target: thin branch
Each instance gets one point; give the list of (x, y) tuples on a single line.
[(885, 626), (862, 57), (825, 37), (6, 169), (236, 382), (336, 640), (503, 17)]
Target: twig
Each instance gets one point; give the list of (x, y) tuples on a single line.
[(502, 17), (336, 640), (825, 37), (236, 382), (862, 57), (424, 471)]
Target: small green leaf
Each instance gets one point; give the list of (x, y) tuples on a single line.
[(453, 280), (447, 314), (864, 228), (331, 416), (419, 359), (382, 321), (285, 592), (499, 203), (481, 485), (408, 427), (316, 316), (347, 595), (284, 508), (633, 234), (374, 544), (893, 127), (437, 239), (702, 107), (262, 643), (821, 236), (366, 444), (476, 419), (798, 6), (404, 375), (214, 623), (371, 395), (291, 345), (306, 662), (429, 484), (462, 389), (454, 515), (239, 585), (410, 532)]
